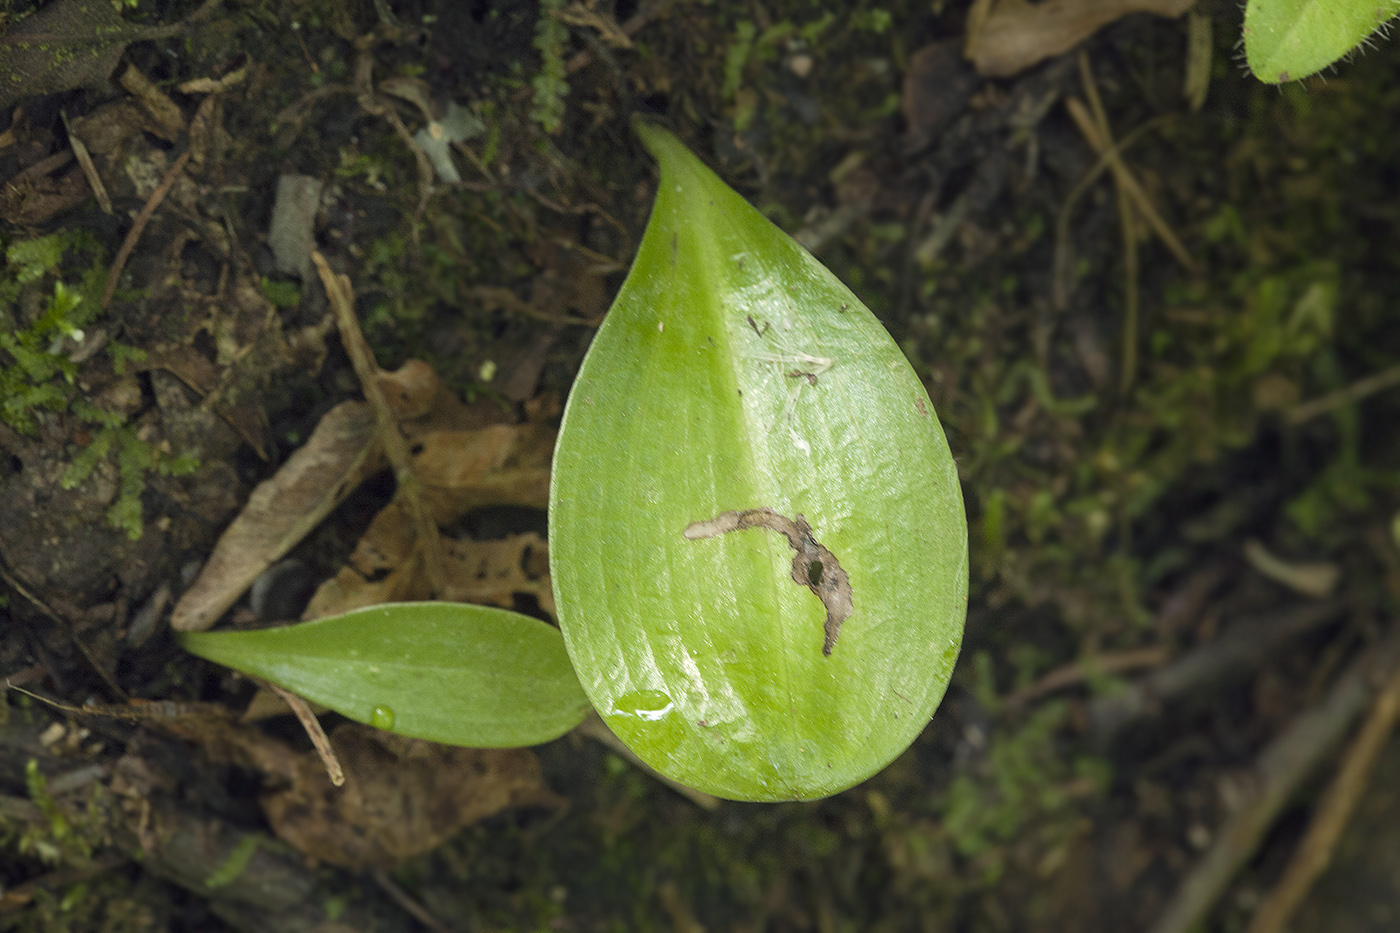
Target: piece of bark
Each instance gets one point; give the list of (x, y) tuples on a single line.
[(275, 892), (72, 43)]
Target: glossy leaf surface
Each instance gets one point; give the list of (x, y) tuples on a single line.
[(744, 434), (1285, 40), (448, 672)]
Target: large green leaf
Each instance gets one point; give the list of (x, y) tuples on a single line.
[(463, 675), (742, 434), (1285, 40)]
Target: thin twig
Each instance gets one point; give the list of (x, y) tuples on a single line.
[(1124, 176), (139, 226), (375, 105), (404, 900), (428, 541), (1279, 771), (1314, 853), (312, 725), (1349, 395), (68, 628), (1128, 222), (40, 169), (1063, 272), (1243, 646), (94, 179), (1077, 672)]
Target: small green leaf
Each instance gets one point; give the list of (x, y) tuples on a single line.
[(452, 673), (757, 538), (1285, 40)]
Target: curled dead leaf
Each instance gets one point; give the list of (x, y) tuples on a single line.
[(501, 464), (1005, 37), (1317, 579)]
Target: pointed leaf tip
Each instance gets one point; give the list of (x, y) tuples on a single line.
[(462, 675)]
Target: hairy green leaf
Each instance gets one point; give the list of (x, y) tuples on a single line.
[(463, 675), (1285, 40), (757, 538)]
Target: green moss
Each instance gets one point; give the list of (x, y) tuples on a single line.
[(1026, 787), (549, 82), (34, 374), (41, 307), (60, 837)]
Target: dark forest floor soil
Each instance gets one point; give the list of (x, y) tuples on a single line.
[(1183, 493)]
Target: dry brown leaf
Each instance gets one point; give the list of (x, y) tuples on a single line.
[(937, 84), (1005, 37), (381, 569), (457, 469), (401, 796), (495, 572), (501, 464), (35, 194), (411, 390), (384, 568), (338, 456)]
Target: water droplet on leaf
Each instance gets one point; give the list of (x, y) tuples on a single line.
[(646, 705)]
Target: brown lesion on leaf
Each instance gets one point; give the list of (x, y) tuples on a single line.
[(813, 566)]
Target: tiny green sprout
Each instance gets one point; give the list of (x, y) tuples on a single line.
[(757, 538)]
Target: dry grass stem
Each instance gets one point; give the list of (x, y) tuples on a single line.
[(1314, 853), (312, 725), (342, 299)]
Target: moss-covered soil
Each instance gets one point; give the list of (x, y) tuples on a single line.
[(1160, 446)]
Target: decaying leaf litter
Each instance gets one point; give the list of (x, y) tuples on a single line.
[(1143, 496)]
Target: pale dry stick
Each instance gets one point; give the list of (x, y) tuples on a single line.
[(374, 104), (404, 900), (139, 226), (1127, 221), (1362, 388), (427, 539), (1124, 176), (80, 152), (1279, 772), (1091, 92), (1063, 272), (1243, 647), (1314, 853), (69, 628), (1078, 672), (1127, 218), (312, 725)]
